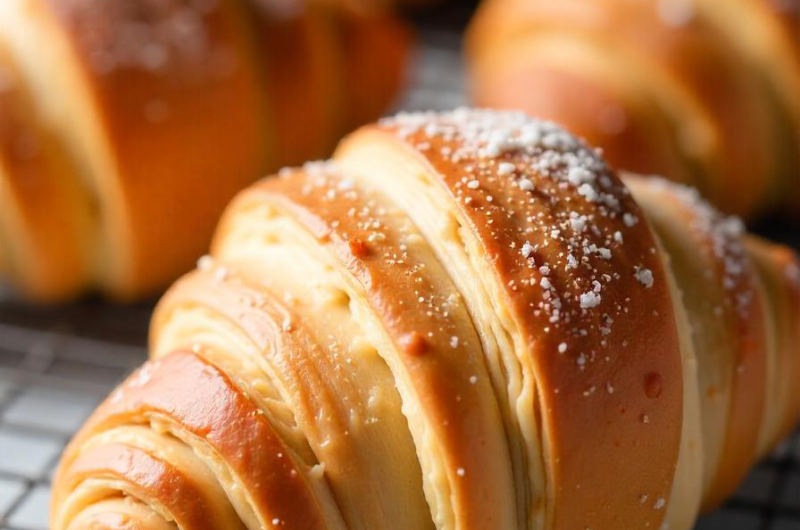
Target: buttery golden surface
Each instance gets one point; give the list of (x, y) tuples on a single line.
[(700, 91), (462, 321), (128, 125)]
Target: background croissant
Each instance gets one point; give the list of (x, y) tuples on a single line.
[(127, 125), (705, 92), (463, 321)]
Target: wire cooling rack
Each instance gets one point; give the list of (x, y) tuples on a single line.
[(57, 365)]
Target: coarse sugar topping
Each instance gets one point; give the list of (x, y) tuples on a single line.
[(553, 200), (723, 235)]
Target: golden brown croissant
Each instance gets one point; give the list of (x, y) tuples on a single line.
[(463, 321), (127, 125), (705, 92)]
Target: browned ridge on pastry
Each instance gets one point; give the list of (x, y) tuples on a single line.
[(704, 92), (126, 126), (462, 321)]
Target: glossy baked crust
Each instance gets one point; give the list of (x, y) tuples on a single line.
[(462, 321), (154, 114), (674, 87)]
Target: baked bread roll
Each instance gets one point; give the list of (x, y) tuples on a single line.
[(671, 87), (127, 125), (462, 321)]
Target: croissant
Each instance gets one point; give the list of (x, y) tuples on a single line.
[(462, 321), (127, 125), (701, 91)]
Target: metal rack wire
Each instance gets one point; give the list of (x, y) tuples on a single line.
[(56, 365)]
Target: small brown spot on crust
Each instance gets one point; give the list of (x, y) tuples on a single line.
[(358, 248), (653, 385), (414, 343)]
